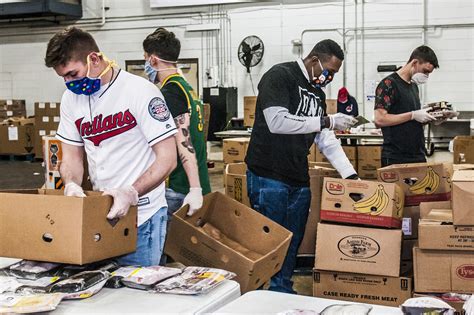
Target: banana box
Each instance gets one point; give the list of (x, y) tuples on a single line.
[(362, 202), (421, 182)]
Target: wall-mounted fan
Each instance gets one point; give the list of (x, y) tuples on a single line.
[(250, 51)]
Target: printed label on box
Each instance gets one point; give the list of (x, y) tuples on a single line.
[(56, 118), (12, 133), (42, 132), (9, 102), (406, 226), (52, 132), (214, 92), (42, 105), (52, 105), (45, 119), (9, 113)]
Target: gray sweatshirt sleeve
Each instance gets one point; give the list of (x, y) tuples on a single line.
[(280, 121)]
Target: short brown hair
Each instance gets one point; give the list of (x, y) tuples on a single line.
[(69, 44), (162, 43), (425, 54)]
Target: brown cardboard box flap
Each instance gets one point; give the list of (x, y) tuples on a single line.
[(426, 207), (439, 215), (45, 225)]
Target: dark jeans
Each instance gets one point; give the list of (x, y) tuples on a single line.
[(287, 206)]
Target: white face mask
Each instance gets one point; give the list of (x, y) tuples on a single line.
[(419, 78)]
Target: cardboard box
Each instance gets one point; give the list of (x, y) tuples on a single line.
[(351, 153), (411, 218), (12, 104), (47, 109), (426, 207), (331, 106), (241, 240), (235, 149), (463, 197), (420, 181), (317, 172), (9, 113), (17, 139), (40, 132), (45, 225), (236, 182), (368, 161), (463, 149), (362, 202), (250, 102), (312, 153), (368, 289), (443, 271), (18, 121), (206, 108), (439, 233), (358, 249)]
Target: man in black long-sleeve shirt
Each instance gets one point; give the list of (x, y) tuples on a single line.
[(290, 115)]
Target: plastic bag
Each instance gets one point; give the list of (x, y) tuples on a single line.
[(194, 280), (81, 285), (429, 305), (145, 278), (115, 281), (33, 270), (67, 271), (347, 309), (10, 303), (9, 284)]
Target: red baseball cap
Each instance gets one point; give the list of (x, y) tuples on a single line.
[(342, 95)]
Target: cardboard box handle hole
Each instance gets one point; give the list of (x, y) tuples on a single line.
[(237, 213), (47, 237), (266, 229), (125, 232), (194, 240), (337, 205), (97, 237)]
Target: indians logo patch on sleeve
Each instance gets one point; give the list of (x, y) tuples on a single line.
[(158, 109)]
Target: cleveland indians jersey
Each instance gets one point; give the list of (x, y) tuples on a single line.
[(117, 126)]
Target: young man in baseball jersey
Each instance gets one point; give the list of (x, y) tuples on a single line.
[(122, 123), (190, 180)]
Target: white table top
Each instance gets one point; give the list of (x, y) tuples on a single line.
[(268, 302), (130, 301)]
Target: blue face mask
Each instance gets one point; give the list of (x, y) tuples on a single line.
[(150, 72), (324, 78), (87, 85)]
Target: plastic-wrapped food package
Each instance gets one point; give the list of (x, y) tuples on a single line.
[(67, 271), (9, 284), (145, 278), (81, 285), (115, 281), (347, 309), (22, 304), (194, 280), (426, 305), (32, 270)]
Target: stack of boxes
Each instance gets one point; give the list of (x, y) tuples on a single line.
[(234, 149), (46, 123), (316, 156), (16, 131), (444, 258), (358, 258)]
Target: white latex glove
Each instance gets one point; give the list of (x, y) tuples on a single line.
[(422, 115), (341, 121), (73, 190), (124, 197), (194, 200)]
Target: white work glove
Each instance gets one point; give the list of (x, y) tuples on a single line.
[(422, 115), (73, 190), (341, 121), (194, 200), (124, 197)]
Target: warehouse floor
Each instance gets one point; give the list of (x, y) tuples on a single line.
[(24, 175)]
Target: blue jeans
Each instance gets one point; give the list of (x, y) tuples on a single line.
[(174, 200), (150, 242), (287, 206)]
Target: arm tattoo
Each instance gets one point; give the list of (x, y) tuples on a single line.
[(183, 159), (180, 122)]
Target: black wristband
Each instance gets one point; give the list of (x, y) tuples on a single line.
[(323, 123)]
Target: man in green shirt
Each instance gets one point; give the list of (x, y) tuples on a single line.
[(190, 180)]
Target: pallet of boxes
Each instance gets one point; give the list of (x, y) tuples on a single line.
[(16, 131), (46, 123), (368, 230), (444, 258)]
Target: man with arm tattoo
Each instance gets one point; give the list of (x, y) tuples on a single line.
[(190, 180)]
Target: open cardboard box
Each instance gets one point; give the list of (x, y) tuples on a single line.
[(420, 182), (362, 202), (236, 182), (45, 225), (190, 244)]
